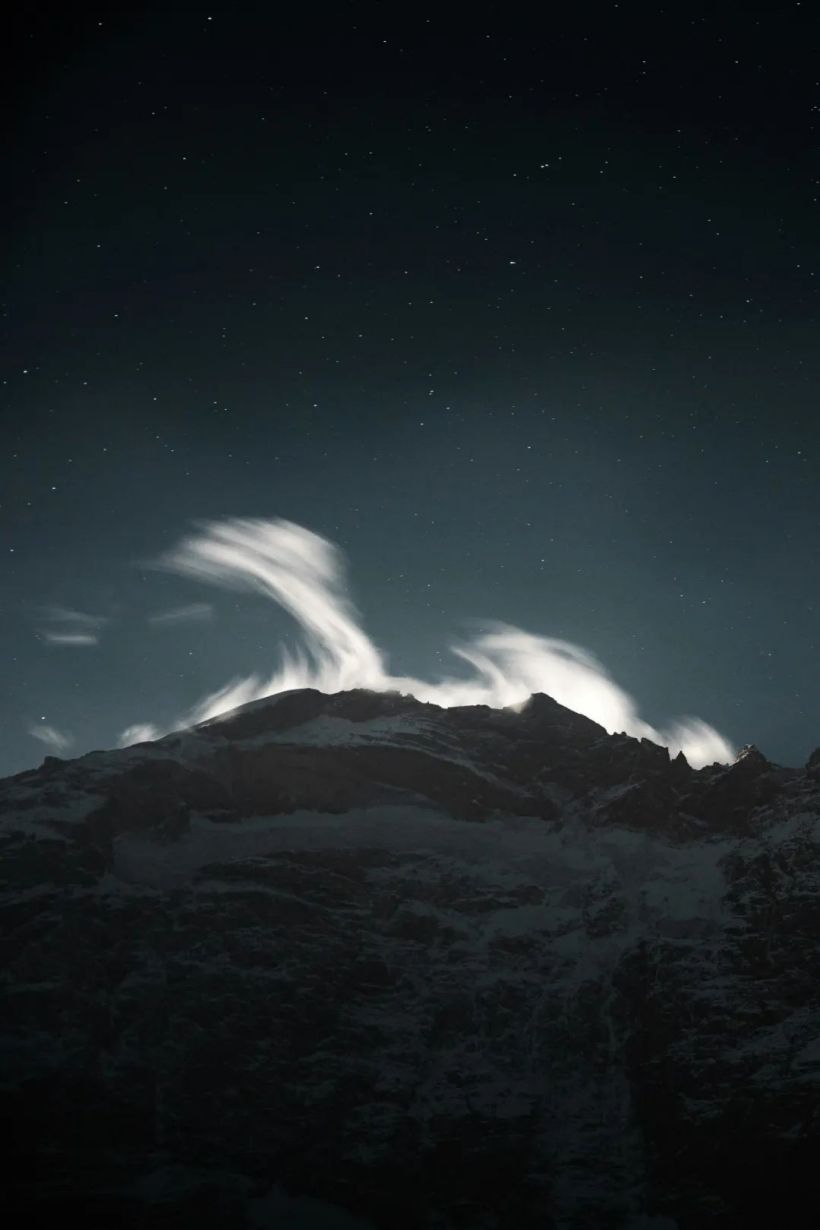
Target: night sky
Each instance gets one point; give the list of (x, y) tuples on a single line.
[(524, 317)]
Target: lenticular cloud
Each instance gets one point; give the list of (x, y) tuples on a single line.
[(304, 573)]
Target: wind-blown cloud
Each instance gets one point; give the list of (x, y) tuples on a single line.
[(195, 612), (69, 627), (140, 732), (57, 740), (304, 573)]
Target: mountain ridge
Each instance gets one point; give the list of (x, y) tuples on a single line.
[(435, 968)]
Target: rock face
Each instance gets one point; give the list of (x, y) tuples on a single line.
[(357, 961)]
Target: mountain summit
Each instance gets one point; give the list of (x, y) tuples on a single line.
[(357, 961)]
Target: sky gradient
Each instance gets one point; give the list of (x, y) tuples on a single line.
[(525, 320)]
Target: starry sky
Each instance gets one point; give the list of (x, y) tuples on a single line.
[(524, 317)]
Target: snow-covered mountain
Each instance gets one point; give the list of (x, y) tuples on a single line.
[(358, 961)]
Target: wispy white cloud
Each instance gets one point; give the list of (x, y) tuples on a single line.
[(195, 612), (65, 626), (140, 732), (304, 573), (57, 740)]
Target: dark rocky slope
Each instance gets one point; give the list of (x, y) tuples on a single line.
[(357, 961)]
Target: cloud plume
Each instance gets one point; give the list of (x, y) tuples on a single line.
[(140, 732), (304, 573), (52, 737)]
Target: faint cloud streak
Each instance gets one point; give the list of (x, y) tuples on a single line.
[(70, 638), (196, 612), (70, 627)]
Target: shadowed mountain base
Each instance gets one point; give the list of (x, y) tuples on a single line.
[(352, 962)]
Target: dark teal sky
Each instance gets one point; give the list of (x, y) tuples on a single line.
[(526, 320)]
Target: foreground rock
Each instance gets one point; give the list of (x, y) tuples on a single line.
[(356, 961)]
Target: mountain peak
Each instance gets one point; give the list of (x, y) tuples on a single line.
[(540, 707), (751, 757), (292, 708)]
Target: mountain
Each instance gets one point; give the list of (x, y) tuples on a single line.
[(358, 961)]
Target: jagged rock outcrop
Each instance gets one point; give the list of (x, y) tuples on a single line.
[(357, 961)]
